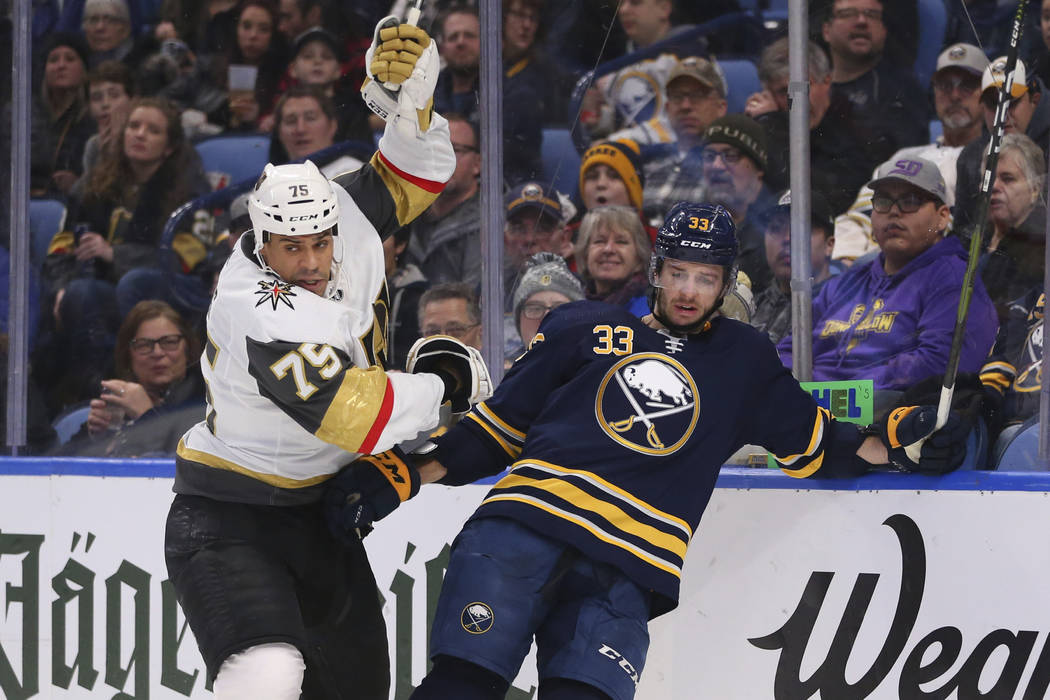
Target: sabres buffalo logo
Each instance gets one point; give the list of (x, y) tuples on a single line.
[(648, 403), (477, 618)]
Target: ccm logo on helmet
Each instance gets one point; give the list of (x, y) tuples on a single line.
[(306, 217), (694, 244)]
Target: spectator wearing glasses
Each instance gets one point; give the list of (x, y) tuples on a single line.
[(839, 165), (545, 285), (956, 97), (107, 28), (451, 309), (1028, 114), (734, 160), (534, 223), (891, 320), (446, 238), (157, 394), (696, 96), (889, 106)]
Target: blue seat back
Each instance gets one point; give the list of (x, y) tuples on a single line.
[(238, 157), (741, 80), (561, 162), (46, 218), (1017, 449)]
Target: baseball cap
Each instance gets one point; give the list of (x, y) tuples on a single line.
[(917, 172), (995, 74), (820, 212), (530, 195), (701, 70), (965, 56), (318, 34)]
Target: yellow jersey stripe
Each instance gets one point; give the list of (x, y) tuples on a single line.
[(591, 528), (611, 512), (500, 423), (814, 441), (508, 448), (210, 460), (611, 489), (806, 470)]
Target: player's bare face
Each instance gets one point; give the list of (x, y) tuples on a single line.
[(305, 261), (688, 291)]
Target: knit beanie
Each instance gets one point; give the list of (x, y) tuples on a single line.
[(623, 156), (545, 272), (741, 132), (73, 41)]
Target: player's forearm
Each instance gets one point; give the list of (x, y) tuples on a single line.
[(431, 471), (873, 451)]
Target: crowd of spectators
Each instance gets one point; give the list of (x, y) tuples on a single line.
[(127, 87)]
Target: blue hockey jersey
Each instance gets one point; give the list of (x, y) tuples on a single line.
[(615, 434)]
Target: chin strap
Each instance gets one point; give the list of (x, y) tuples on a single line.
[(692, 328)]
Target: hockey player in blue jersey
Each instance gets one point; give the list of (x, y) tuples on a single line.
[(614, 429)]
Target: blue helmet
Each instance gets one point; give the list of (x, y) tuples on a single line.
[(701, 233), (698, 233)]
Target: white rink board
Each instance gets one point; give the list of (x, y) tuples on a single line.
[(984, 553)]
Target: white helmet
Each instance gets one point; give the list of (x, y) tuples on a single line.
[(292, 200)]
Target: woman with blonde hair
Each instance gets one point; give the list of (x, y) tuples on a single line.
[(612, 254)]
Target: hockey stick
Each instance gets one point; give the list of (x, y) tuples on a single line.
[(987, 180)]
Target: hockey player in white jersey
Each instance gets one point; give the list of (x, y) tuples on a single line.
[(296, 390)]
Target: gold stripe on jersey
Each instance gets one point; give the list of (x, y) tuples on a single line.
[(611, 489), (210, 460), (512, 450), (811, 459), (615, 515), (590, 527), (512, 435), (354, 410), (410, 199)]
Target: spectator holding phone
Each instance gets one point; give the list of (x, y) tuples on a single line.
[(251, 67)]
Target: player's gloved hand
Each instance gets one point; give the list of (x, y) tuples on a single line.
[(367, 490), (403, 67), (941, 452), (460, 367)]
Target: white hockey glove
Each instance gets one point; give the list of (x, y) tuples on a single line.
[(403, 67), (459, 366)]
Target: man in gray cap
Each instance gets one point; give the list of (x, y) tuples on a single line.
[(956, 97), (891, 320), (696, 96)]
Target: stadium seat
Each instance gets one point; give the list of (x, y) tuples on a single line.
[(1017, 449), (46, 218), (561, 162), (67, 424), (776, 13), (977, 447), (933, 21), (234, 158), (936, 129), (742, 80)]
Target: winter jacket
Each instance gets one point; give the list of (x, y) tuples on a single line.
[(897, 329)]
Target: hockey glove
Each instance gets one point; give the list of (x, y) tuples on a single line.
[(459, 366), (403, 66), (368, 489), (942, 451)]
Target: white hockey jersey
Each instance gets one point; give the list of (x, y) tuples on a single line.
[(296, 385)]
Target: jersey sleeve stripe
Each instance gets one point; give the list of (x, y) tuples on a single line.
[(359, 411), (411, 195), (596, 531), (814, 441), (512, 434), (385, 409), (804, 471), (611, 489), (430, 186), (512, 450), (616, 516), (210, 460)]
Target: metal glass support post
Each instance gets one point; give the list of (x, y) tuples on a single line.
[(801, 221), (491, 12)]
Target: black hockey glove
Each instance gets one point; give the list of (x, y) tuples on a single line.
[(459, 366), (941, 451), (368, 489)]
